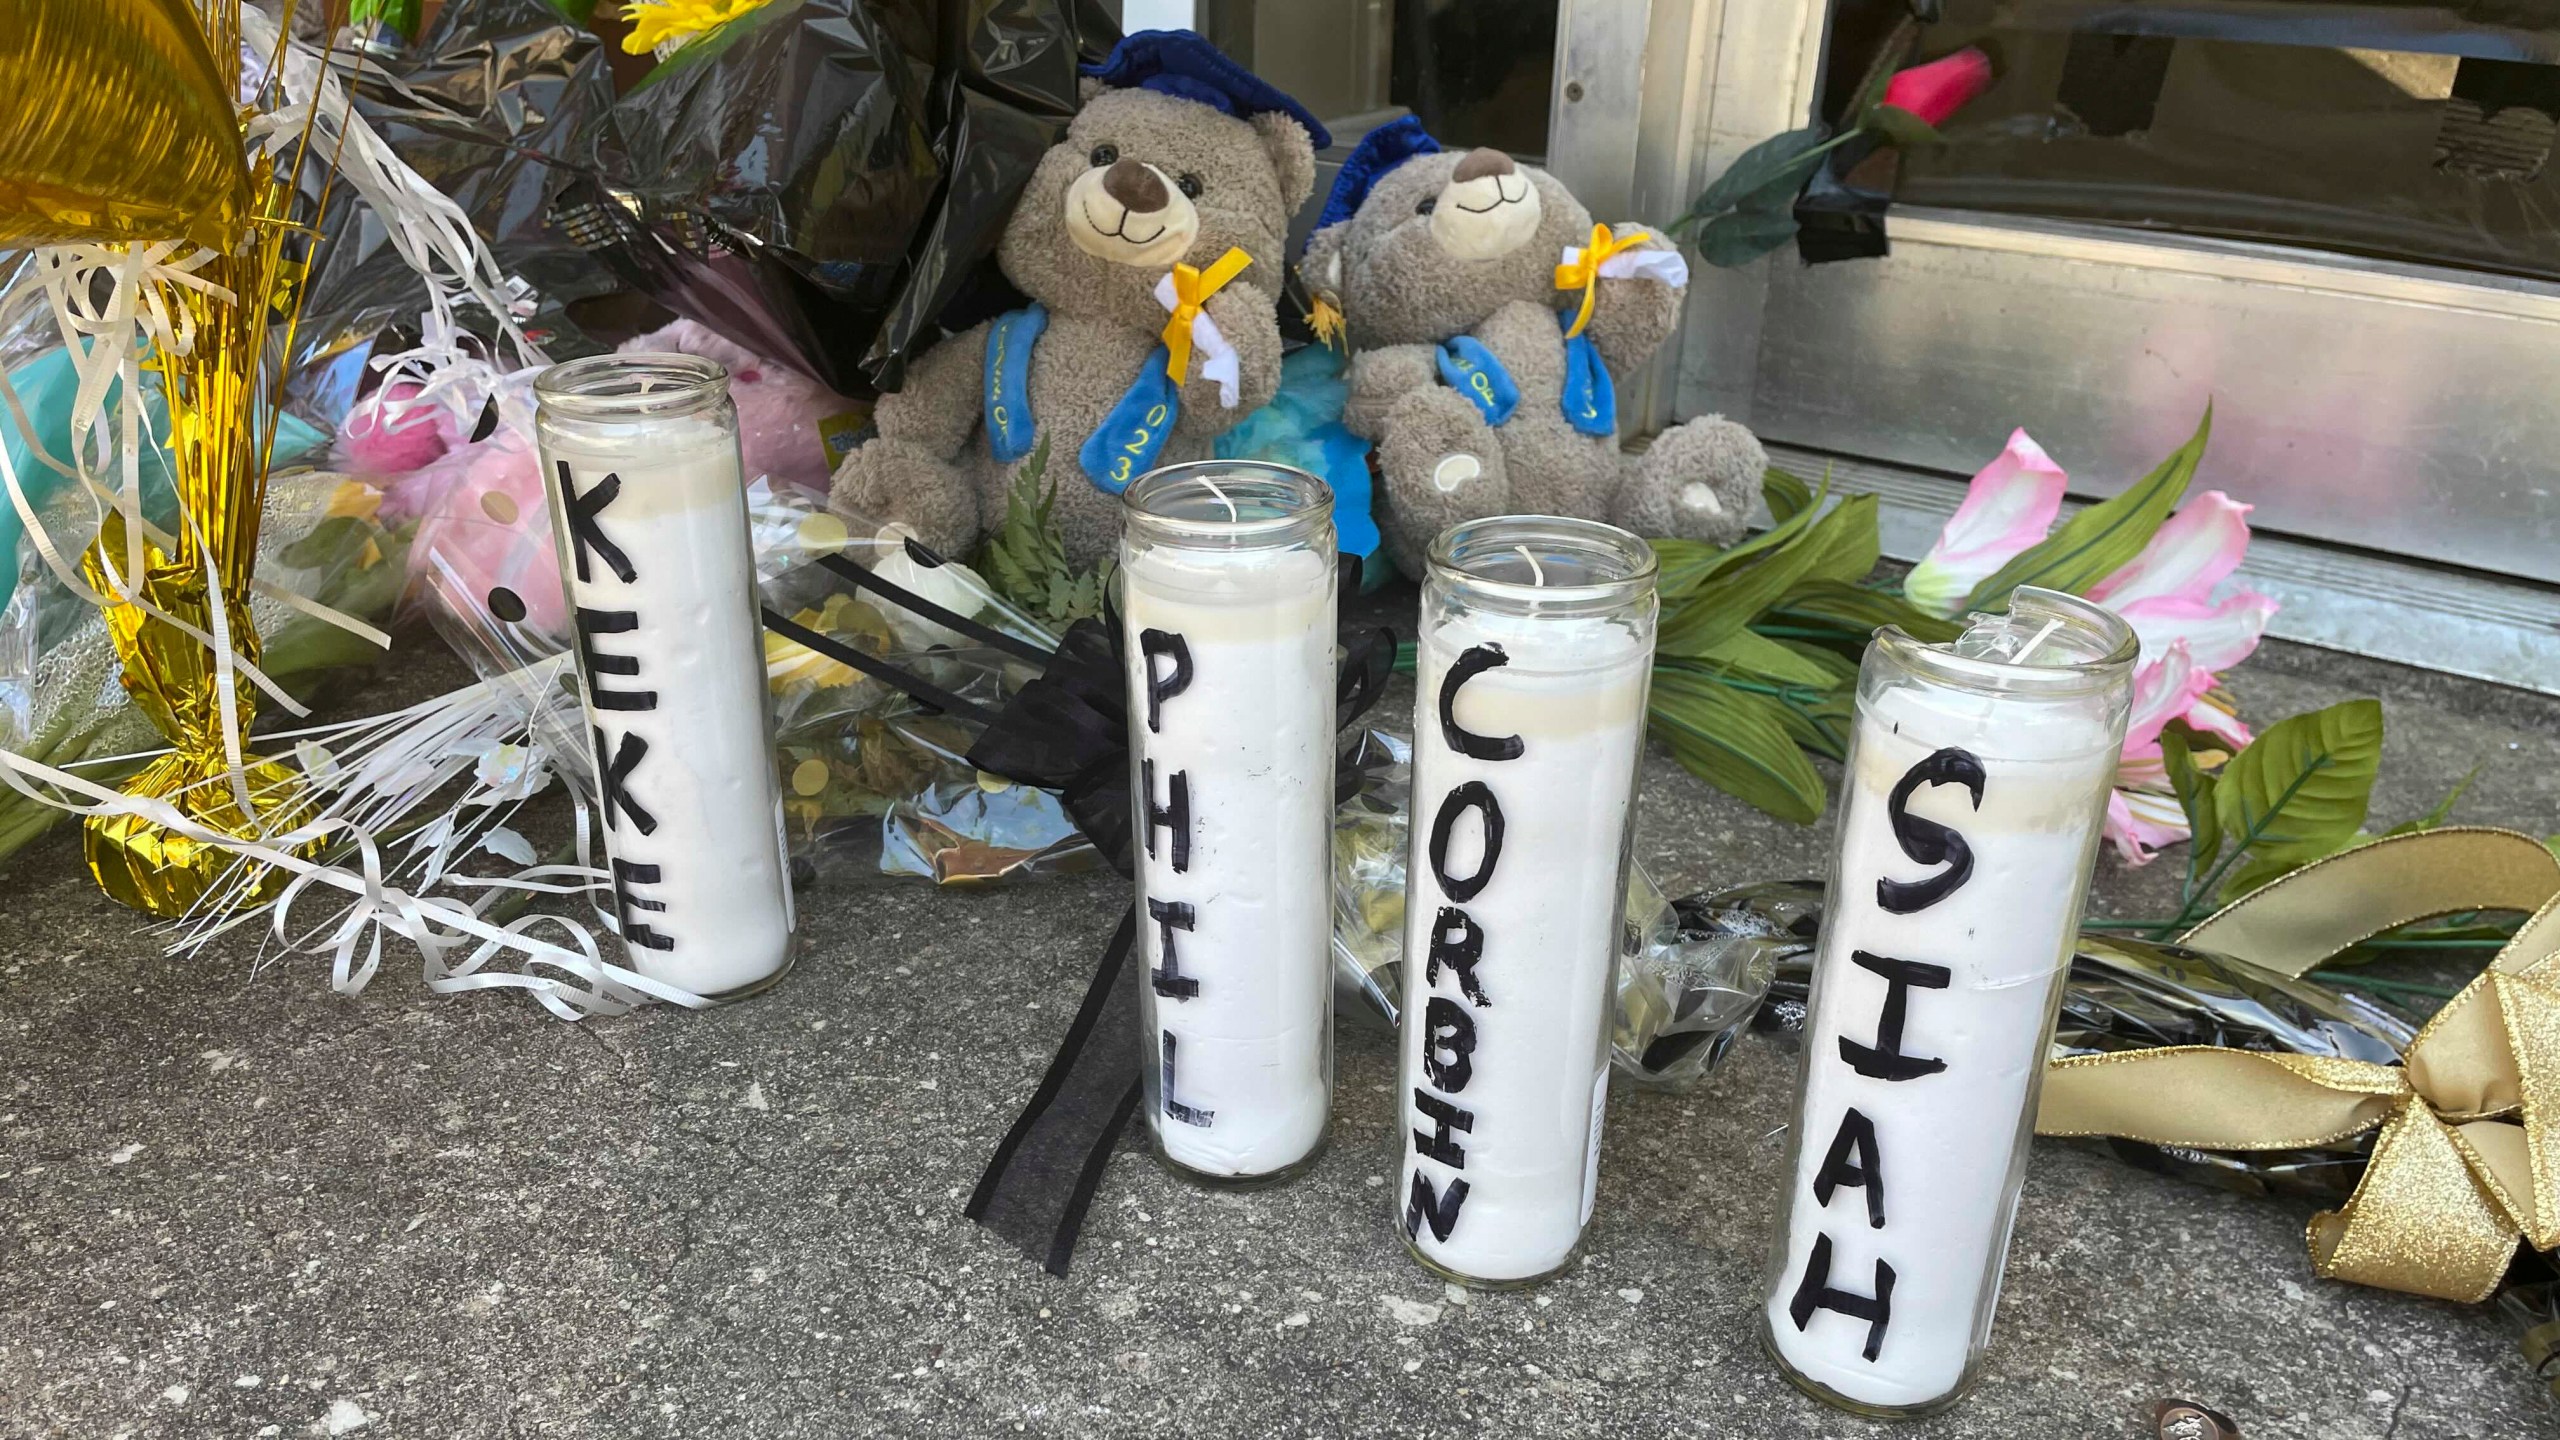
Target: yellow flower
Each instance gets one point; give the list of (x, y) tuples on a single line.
[(655, 22), (354, 499)]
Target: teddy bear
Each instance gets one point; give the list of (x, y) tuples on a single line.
[(1151, 242), (1487, 316)]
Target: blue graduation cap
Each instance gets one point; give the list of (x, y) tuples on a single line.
[(1378, 152), (1182, 64)]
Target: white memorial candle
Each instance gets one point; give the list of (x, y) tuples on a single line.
[(1976, 784), (640, 456), (1535, 657), (1227, 611)]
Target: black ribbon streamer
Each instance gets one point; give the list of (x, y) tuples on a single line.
[(1067, 730)]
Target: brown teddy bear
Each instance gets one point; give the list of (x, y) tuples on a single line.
[(1151, 242), (1486, 316)]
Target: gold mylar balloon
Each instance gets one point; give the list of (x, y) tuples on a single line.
[(116, 124)]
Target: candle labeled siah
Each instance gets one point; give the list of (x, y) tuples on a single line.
[(1974, 793), (1535, 656), (640, 455), (1227, 576)]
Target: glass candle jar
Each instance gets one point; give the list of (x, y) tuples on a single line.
[(648, 510), (1227, 613), (1536, 656), (1976, 782)]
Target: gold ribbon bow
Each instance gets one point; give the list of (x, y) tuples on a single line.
[(2468, 1154), (1192, 287), (1584, 274)]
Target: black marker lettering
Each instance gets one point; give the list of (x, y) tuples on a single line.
[(1165, 684), (1856, 1135), (1885, 1060), (585, 534), (1169, 980), (1457, 941), (636, 931), (600, 663), (1187, 1114), (1445, 1017), (1475, 661), (1816, 1294), (1174, 814), (614, 777), (1440, 1209), (1927, 841), (1473, 795), (1439, 1144)]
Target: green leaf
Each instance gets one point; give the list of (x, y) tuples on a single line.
[(2195, 797), (1738, 237), (1788, 496), (1738, 742), (1687, 565), (581, 11), (1778, 165), (1821, 723), (396, 15), (1845, 542), (1735, 598), (1768, 659), (1900, 128), (2301, 791), (2102, 539), (2440, 814), (1858, 609)]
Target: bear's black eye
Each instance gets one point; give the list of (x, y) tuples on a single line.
[(1429, 204), (1189, 185), (1104, 154)]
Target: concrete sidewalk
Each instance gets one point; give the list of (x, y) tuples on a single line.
[(235, 1204)]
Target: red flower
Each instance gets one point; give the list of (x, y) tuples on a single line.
[(1941, 87)]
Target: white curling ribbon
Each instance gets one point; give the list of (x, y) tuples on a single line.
[(1218, 360), (1641, 263)]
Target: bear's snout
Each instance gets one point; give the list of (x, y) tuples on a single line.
[(1128, 213), (1487, 210)]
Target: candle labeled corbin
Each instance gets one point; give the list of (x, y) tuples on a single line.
[(1535, 656), (1977, 780), (649, 512)]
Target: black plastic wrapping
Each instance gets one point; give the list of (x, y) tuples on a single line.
[(824, 180), (2126, 994)]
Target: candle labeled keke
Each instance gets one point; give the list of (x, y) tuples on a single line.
[(1227, 614), (640, 456), (1535, 658), (1976, 783)]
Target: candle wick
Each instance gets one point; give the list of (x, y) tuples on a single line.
[(2040, 637), (1232, 517), (1535, 568)]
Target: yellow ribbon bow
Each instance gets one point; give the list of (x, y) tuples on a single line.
[(1584, 274), (2468, 1151), (1192, 288)]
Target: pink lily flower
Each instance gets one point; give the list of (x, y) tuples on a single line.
[(2007, 508)]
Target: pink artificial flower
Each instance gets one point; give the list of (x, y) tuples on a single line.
[(2141, 822), (1938, 89), (2007, 508), (2195, 550), (2220, 634), (383, 435), (782, 413)]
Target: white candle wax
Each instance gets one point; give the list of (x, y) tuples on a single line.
[(1933, 1152), (669, 644), (1515, 1046), (1235, 863)]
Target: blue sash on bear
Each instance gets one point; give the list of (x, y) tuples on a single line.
[(1130, 437), (1010, 429), (1590, 399), (1467, 367), (1590, 396)]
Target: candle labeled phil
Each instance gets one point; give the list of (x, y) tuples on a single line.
[(640, 455), (1535, 657), (1227, 610), (1976, 785)]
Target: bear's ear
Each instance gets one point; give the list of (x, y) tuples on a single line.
[(1320, 268), (1293, 155), (1087, 88)]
